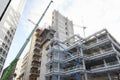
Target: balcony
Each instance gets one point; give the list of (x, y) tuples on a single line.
[(52, 60), (67, 71), (37, 54), (36, 59), (99, 55), (72, 57), (101, 68), (74, 69), (35, 73), (37, 50), (37, 32), (47, 38), (99, 42), (35, 64), (112, 63), (54, 71)]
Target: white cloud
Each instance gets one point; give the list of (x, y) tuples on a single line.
[(94, 14)]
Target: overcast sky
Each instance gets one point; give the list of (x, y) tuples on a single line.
[(94, 14)]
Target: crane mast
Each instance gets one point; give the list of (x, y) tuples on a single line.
[(12, 66)]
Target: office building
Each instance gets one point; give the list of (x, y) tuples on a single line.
[(4, 4), (8, 25)]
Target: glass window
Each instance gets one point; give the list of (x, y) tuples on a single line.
[(65, 23), (1, 49), (5, 38)]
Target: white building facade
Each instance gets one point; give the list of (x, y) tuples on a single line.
[(62, 25), (8, 25), (4, 4)]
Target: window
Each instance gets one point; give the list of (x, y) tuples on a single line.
[(52, 22), (66, 33), (6, 46), (4, 53), (52, 17), (5, 38), (12, 31), (65, 23), (1, 68), (3, 44), (10, 35), (1, 60), (8, 32), (8, 41), (1, 49), (66, 28)]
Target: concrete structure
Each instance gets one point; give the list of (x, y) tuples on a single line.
[(8, 25), (24, 67), (62, 25), (96, 57), (27, 61), (43, 39), (17, 70), (33, 67)]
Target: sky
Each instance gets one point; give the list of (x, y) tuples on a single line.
[(93, 14)]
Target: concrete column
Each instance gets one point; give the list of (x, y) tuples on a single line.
[(101, 52), (105, 63), (58, 62), (113, 47), (58, 76), (86, 76), (97, 39), (109, 77), (81, 52), (118, 59), (115, 50), (78, 51), (83, 61)]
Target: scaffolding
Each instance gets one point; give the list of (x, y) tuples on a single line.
[(91, 58)]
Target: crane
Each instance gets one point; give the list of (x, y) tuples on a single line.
[(12, 66), (81, 27)]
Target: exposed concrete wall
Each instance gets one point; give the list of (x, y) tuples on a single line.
[(43, 62)]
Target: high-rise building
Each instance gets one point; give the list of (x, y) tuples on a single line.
[(33, 66), (28, 62), (96, 57), (8, 25), (36, 68), (16, 74), (21, 71), (4, 4), (62, 25)]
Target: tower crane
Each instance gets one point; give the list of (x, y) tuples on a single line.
[(81, 27), (12, 66)]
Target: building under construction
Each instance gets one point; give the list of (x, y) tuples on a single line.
[(34, 59), (96, 57), (34, 63)]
